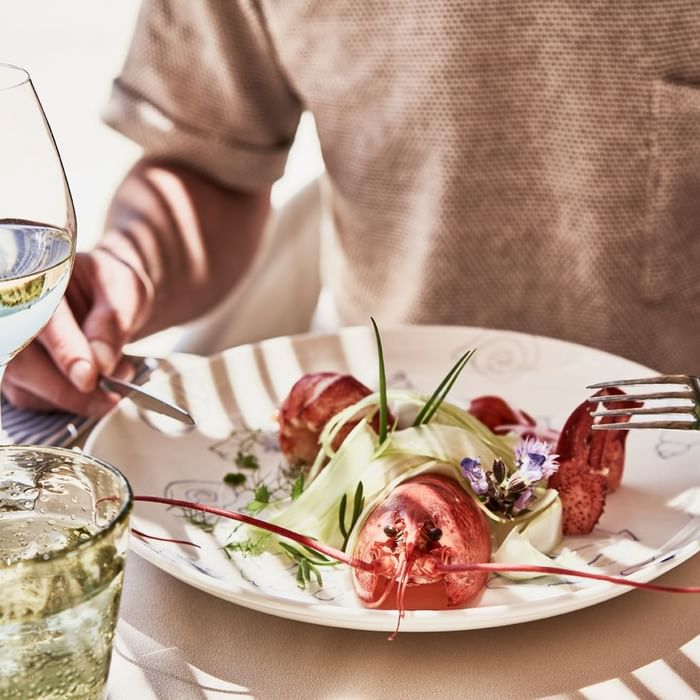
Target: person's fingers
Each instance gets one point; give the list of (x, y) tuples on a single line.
[(69, 349), (125, 370), (115, 314), (23, 399), (106, 334), (33, 381)]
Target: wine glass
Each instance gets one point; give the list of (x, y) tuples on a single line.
[(37, 219)]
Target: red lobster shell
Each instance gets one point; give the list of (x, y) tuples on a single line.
[(425, 522), (590, 465), (495, 413), (311, 403)]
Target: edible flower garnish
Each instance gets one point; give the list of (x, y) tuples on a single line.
[(534, 460), (472, 471), (511, 494)]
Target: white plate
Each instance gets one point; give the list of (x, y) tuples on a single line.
[(650, 525)]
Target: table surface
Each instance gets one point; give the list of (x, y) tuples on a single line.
[(175, 641)]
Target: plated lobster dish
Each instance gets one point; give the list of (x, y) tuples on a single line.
[(424, 500)]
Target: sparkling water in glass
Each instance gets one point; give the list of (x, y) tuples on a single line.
[(63, 540)]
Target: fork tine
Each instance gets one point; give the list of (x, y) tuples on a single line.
[(661, 379), (642, 397), (656, 410), (690, 411), (669, 425)]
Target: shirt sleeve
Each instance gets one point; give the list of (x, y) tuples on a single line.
[(201, 86)]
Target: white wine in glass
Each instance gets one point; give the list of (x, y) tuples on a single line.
[(37, 219)]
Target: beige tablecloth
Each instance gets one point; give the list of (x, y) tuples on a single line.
[(174, 641)]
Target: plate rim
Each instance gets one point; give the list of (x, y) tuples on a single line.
[(359, 618)]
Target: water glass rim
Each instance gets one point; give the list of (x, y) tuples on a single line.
[(119, 517), (9, 69)]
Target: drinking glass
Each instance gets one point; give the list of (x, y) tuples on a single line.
[(37, 219), (63, 540)]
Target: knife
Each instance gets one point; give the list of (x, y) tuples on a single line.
[(144, 399)]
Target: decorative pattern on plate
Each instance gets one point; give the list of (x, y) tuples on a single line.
[(651, 523), (504, 357), (677, 444)]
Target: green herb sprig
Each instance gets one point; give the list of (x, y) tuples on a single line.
[(357, 507), (204, 522), (298, 486), (234, 479), (307, 561), (249, 547), (246, 460), (443, 389), (383, 402), (261, 499)]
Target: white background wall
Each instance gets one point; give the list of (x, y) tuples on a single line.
[(73, 49)]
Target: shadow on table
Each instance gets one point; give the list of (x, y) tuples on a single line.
[(140, 671), (217, 649)]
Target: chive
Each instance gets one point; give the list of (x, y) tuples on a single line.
[(438, 396), (448, 388), (358, 505), (317, 576), (341, 515), (318, 557), (306, 572), (383, 403)]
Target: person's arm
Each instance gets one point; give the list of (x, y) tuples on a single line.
[(190, 238), (175, 244)]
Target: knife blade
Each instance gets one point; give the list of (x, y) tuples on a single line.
[(144, 399)]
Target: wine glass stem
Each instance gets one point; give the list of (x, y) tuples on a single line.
[(4, 439)]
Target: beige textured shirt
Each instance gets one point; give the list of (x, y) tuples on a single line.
[(531, 165)]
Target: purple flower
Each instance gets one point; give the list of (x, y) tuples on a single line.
[(472, 471), (534, 461), (522, 501)]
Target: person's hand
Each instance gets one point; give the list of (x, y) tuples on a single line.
[(106, 303), (163, 240)]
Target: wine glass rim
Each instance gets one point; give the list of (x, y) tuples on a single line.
[(7, 68)]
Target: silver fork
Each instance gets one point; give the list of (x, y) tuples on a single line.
[(690, 411)]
